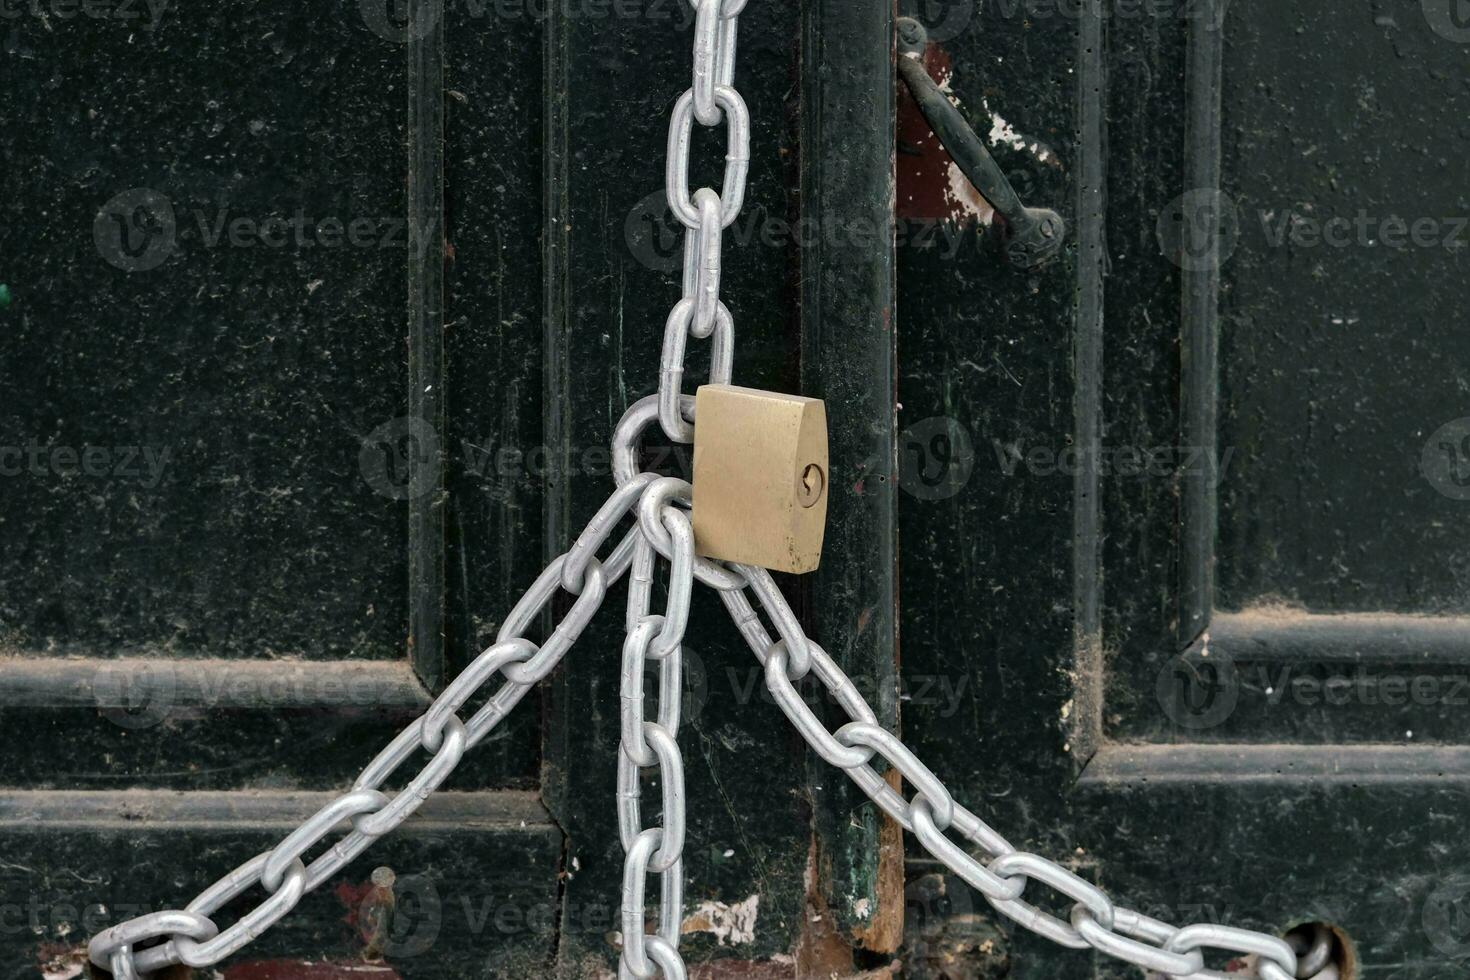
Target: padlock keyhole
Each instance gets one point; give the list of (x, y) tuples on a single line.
[(809, 488)]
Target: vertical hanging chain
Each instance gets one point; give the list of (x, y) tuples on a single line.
[(653, 745), (705, 214)]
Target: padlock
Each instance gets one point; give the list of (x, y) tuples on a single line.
[(760, 477)]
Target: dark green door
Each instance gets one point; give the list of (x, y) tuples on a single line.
[(319, 322), (1202, 562)]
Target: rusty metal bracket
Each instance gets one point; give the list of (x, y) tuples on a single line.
[(1034, 235)]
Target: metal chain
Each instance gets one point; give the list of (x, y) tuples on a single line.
[(1002, 876), (705, 214), (654, 745), (157, 940), (191, 937)]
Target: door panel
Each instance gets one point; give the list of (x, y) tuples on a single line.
[(1196, 542), (230, 578)]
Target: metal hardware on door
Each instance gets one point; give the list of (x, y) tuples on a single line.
[(1034, 235), (760, 477)]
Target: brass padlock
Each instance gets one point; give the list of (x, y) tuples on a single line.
[(760, 477)]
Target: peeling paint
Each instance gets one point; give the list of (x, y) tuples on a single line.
[(729, 924), (1003, 132), (963, 198), (58, 962), (62, 971)]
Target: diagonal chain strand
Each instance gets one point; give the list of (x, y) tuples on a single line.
[(189, 936), (1094, 920)]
